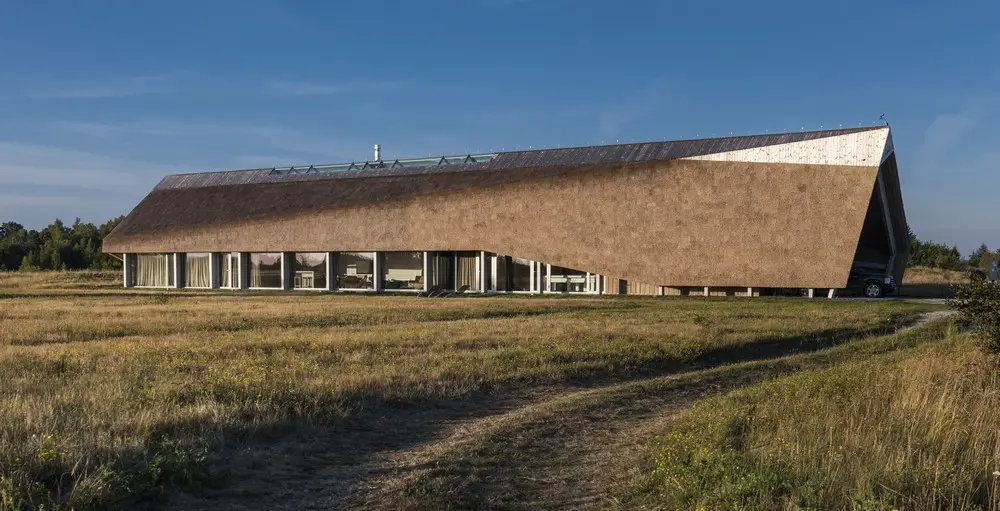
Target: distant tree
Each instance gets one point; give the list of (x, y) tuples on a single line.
[(56, 247), (981, 258)]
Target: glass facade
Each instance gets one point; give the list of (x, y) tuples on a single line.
[(265, 270), (355, 270), (464, 271), (519, 274), (309, 270), (403, 271)]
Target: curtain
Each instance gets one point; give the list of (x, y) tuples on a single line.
[(197, 271), (255, 280), (151, 270), (467, 271)]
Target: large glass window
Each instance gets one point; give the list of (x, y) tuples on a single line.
[(152, 270), (442, 270), (355, 270), (403, 270), (265, 270), (565, 280), (468, 271), (230, 270), (520, 274), (197, 270), (310, 270)]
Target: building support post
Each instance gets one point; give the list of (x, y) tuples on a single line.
[(244, 270), (427, 272), (707, 291), (213, 270), (812, 293), (128, 280), (377, 272), (750, 291), (832, 293), (481, 267)]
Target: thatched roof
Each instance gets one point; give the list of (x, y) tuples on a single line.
[(767, 210)]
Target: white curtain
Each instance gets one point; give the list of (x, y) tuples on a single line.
[(151, 270), (467, 271), (197, 271)]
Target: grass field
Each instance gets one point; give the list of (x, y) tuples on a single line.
[(114, 396), (912, 428)]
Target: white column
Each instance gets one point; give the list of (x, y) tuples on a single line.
[(213, 270), (547, 288), (127, 276), (427, 272), (533, 287), (454, 270), (377, 271), (707, 291), (494, 261), (244, 270), (749, 291), (178, 262), (812, 293), (832, 293), (481, 267), (331, 279)]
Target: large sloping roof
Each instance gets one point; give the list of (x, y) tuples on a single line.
[(782, 210)]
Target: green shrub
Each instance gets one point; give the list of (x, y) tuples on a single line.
[(978, 303)]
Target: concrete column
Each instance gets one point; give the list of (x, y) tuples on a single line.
[(331, 266), (547, 288), (377, 271), (482, 271), (427, 271), (213, 270), (244, 270), (128, 280), (832, 293), (812, 293), (707, 291), (749, 291)]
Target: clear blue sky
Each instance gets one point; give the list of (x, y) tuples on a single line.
[(98, 100)]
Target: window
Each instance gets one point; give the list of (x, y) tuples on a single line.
[(265, 270), (468, 270), (403, 271), (442, 270), (520, 274), (230, 270), (565, 280), (197, 270), (310, 270), (355, 270), (152, 270)]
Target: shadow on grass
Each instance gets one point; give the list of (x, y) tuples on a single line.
[(338, 454)]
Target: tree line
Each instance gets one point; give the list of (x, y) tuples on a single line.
[(940, 255), (56, 247)]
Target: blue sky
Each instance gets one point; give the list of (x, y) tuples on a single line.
[(98, 100)]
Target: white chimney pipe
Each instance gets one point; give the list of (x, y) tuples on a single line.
[(378, 153)]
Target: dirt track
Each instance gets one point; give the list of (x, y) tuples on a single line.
[(550, 448)]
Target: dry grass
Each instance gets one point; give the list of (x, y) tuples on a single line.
[(923, 282), (906, 430), (110, 395)]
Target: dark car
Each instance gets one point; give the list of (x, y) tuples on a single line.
[(871, 284)]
